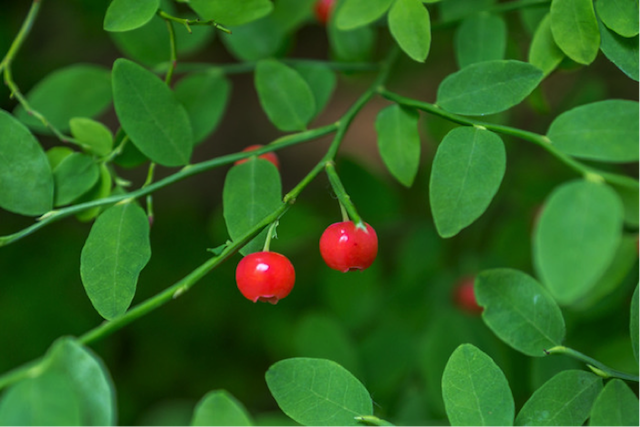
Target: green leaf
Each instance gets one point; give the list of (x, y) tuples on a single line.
[(220, 408), (488, 87), (94, 136), (564, 400), (77, 90), (284, 95), (575, 29), (48, 399), (318, 392), (621, 16), (616, 405), (55, 155), (89, 379), (321, 80), (292, 14), (544, 53), (633, 323), (623, 52), (480, 37), (74, 176), (26, 181), (466, 174), (256, 40), (519, 311), (605, 131), (130, 157), (205, 97), (151, 115), (354, 45), (399, 142), (231, 12), (124, 15), (410, 26), (252, 190), (475, 390), (453, 10), (576, 238), (115, 252), (100, 190), (356, 13)]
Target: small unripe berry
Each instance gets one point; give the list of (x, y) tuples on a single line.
[(464, 296), (345, 247), (323, 9), (265, 276), (267, 156)]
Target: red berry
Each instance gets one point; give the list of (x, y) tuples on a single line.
[(345, 247), (265, 276), (323, 10), (465, 297), (267, 156)]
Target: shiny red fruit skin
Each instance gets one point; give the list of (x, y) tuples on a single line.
[(464, 296), (267, 156), (345, 247), (323, 10), (265, 276)]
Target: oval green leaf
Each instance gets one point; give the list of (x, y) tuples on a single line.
[(205, 97), (55, 155), (318, 392), (575, 29), (151, 115), (125, 15), (616, 405), (544, 53), (564, 400), (26, 181), (252, 190), (519, 311), (95, 137), (399, 142), (633, 323), (100, 190), (356, 13), (576, 238), (353, 45), (115, 252), (475, 390), (75, 91), (621, 16), (220, 408), (488, 87), (455, 10), (74, 176), (623, 52), (466, 174), (321, 80), (89, 378), (284, 95), (410, 26), (480, 37), (231, 12), (605, 131), (242, 44)]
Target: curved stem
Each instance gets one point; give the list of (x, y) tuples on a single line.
[(173, 52), (600, 369), (345, 200), (188, 22)]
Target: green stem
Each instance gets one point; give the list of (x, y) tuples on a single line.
[(600, 369), (189, 22), (541, 140), (343, 197), (173, 52), (22, 34)]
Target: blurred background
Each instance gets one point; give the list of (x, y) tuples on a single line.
[(393, 326)]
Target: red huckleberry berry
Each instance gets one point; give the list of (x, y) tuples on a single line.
[(267, 156), (345, 247), (265, 276), (323, 10), (465, 297)]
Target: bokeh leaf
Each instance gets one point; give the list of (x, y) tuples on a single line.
[(466, 174), (410, 26), (220, 408), (231, 12), (94, 136), (452, 10), (576, 237), (115, 252), (100, 190), (519, 311), (352, 45), (26, 180), (252, 190), (575, 29), (124, 15), (633, 323), (616, 405), (605, 131), (480, 37), (321, 80), (544, 53), (74, 176), (622, 51), (488, 87), (564, 400), (318, 392), (621, 16), (284, 95), (151, 115), (255, 40), (475, 390), (356, 13), (399, 142)]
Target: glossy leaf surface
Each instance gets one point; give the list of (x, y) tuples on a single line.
[(544, 53), (94, 136), (575, 29), (410, 26), (621, 16), (74, 176), (623, 52), (480, 37), (231, 12), (356, 13), (219, 408), (616, 405), (321, 80), (125, 15)]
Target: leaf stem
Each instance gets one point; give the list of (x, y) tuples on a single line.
[(189, 22), (541, 140), (173, 52), (600, 369), (343, 197)]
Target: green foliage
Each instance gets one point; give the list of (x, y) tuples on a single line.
[(219, 408), (616, 405), (619, 16), (575, 29), (633, 323), (321, 81), (544, 53), (356, 13), (121, 16), (623, 52), (231, 12), (74, 176), (410, 26), (95, 137), (480, 37)]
